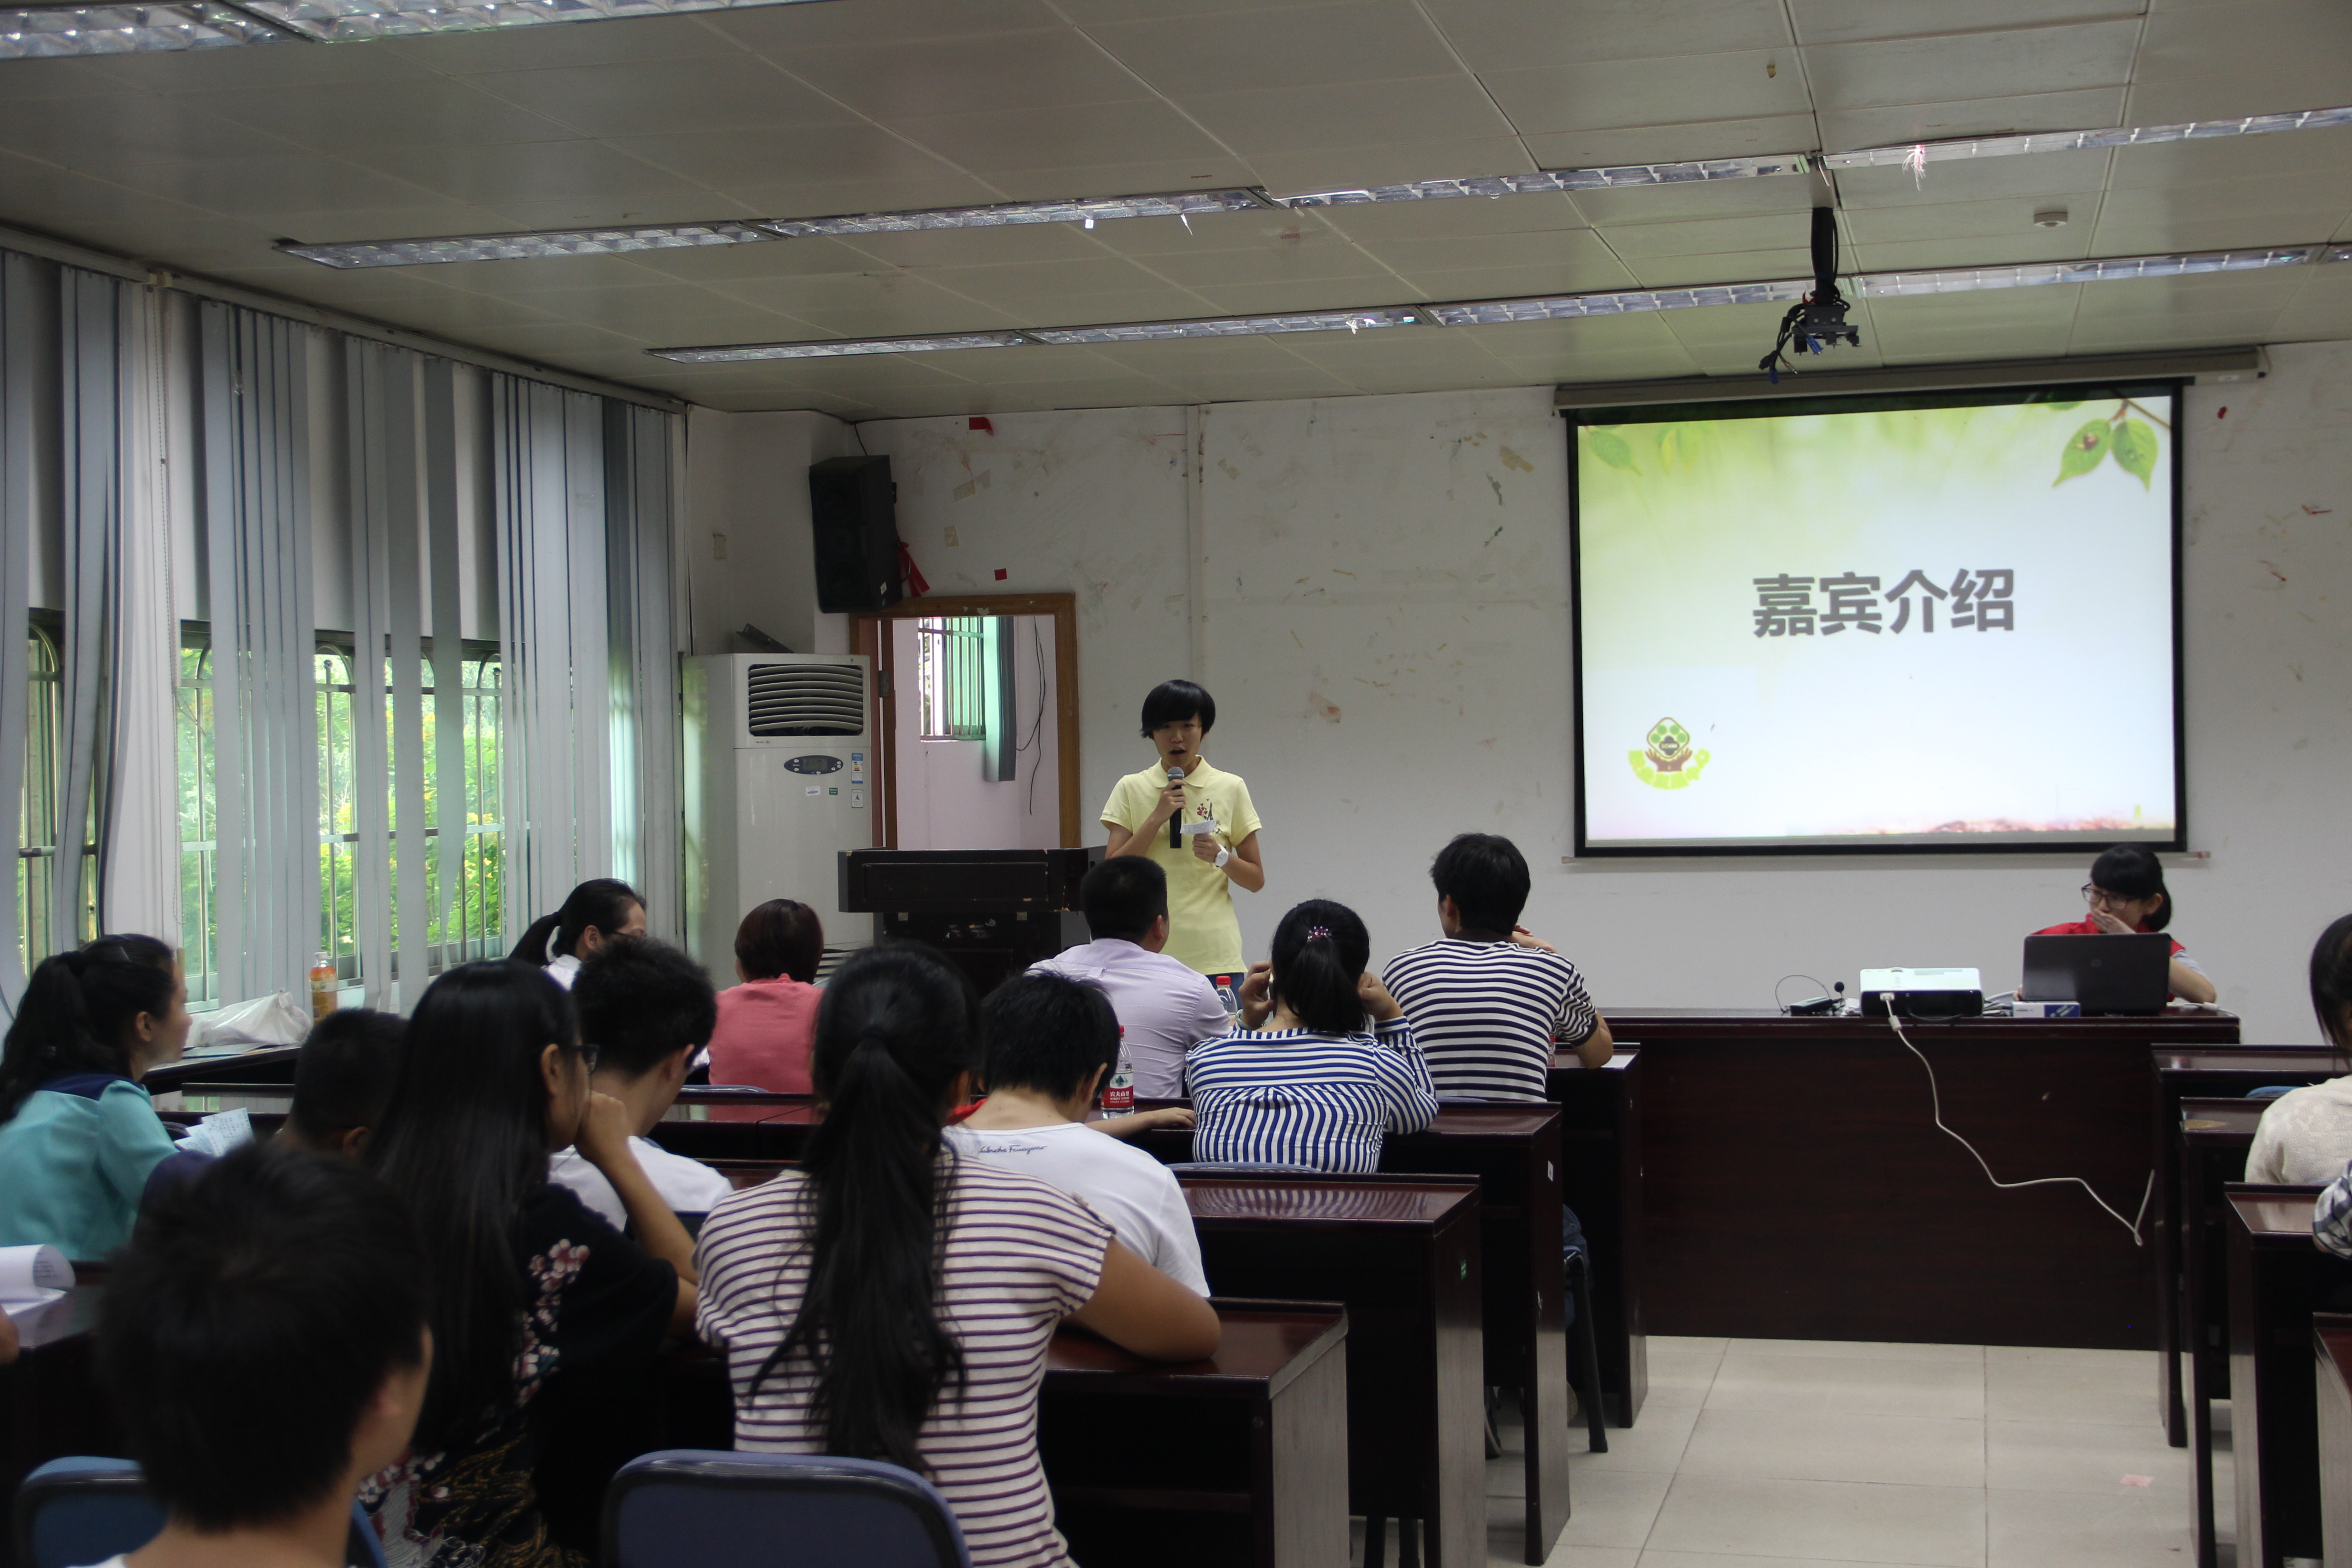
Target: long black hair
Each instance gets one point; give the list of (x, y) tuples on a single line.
[(2331, 983), (2136, 873), (1319, 952), (464, 1138), (78, 1010), (897, 1026), (601, 901)]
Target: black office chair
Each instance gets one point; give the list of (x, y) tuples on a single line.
[(1588, 1350)]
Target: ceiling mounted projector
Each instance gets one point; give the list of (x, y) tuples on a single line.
[(1816, 322)]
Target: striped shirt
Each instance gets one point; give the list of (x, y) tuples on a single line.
[(1486, 1014), (2331, 1216), (1292, 1097), (1020, 1256)]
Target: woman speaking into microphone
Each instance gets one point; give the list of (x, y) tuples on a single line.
[(1196, 821)]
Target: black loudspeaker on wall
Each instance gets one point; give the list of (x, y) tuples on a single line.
[(854, 513)]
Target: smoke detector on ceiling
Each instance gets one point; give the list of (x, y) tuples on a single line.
[(2050, 217)]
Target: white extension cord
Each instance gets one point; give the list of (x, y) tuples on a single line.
[(1935, 1101)]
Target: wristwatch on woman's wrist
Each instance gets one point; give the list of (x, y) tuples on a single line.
[(1224, 855)]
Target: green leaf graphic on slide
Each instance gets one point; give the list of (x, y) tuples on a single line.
[(2084, 450), (2135, 448), (1611, 448)]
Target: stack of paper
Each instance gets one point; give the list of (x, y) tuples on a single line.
[(33, 1285)]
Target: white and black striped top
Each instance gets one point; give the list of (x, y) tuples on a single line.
[(1486, 1014), (1291, 1097), (1020, 1256)]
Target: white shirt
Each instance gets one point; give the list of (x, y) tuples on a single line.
[(564, 970), (2304, 1138), (1134, 1192), (689, 1187), (1164, 1007)]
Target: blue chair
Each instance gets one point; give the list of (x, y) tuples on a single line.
[(80, 1511), (2271, 1090), (698, 1508)]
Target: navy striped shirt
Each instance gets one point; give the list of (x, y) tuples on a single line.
[(1292, 1097), (1486, 1014)]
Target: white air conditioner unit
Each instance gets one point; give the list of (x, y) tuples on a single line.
[(780, 759)]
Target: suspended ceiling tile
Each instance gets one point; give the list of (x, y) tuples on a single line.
[(1740, 266), (1738, 326), (1370, 40), (1857, 21), (1904, 71), (1250, 230), (2162, 235), (2316, 155), (641, 208), (1016, 246), (1778, 194), (1355, 168), (546, 47), (266, 68), (943, 187), (1710, 237), (1088, 13), (837, 156), (1844, 129), (1557, 247), (1673, 143), (83, 78), (1058, 181), (2040, 178), (1505, 34), (1449, 108), (1377, 223), (1443, 351), (786, 29), (2306, 321), (643, 97), (1073, 136), (2113, 334), (511, 174), (1311, 256), (1614, 94), (1521, 282), (2069, 243), (545, 340), (1640, 331), (1954, 345), (1161, 304), (1043, 283), (1015, 367), (748, 402), (775, 259), (1200, 356), (2212, 293), (102, 133), (352, 116), (2252, 196), (2009, 219), (414, 302), (2252, 37), (524, 276), (2053, 305), (904, 318), (911, 78), (1322, 294), (881, 290), (2291, 84), (663, 317), (271, 184), (1567, 368)]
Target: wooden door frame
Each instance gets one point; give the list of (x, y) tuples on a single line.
[(866, 637)]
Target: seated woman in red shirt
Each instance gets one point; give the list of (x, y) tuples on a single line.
[(2127, 894), (767, 1024)]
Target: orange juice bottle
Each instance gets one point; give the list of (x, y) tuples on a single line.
[(323, 979)]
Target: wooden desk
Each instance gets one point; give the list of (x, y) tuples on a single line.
[(1820, 1235), (2212, 1141), (1402, 1253), (2331, 1342), (2278, 1278), (2218, 1072), (1240, 1458), (1600, 1177), (262, 1065)]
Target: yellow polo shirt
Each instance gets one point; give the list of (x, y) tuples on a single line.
[(1203, 932)]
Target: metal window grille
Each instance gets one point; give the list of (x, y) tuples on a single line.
[(951, 670)]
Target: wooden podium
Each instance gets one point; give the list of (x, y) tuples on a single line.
[(994, 912)]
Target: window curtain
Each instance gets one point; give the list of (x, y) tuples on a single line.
[(29, 382), (139, 852), (253, 435), (589, 625)]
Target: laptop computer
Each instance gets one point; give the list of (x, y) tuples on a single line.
[(2103, 973)]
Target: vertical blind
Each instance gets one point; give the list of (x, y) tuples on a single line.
[(488, 715)]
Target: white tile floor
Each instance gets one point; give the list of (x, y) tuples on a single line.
[(1777, 1453)]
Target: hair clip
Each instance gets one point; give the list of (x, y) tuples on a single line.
[(1318, 934)]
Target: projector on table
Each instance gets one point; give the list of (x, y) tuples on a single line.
[(1923, 992)]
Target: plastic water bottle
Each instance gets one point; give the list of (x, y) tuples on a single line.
[(1118, 1095), (1228, 1001)]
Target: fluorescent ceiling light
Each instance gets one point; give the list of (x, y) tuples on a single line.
[(840, 348), (50, 32), (1547, 308), (2074, 140), (1085, 209), (1553, 180), (351, 21), (509, 247)]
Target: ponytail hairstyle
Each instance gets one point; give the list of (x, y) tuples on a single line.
[(1321, 950), (897, 1026), (463, 1139), (2331, 984), (2136, 873), (78, 1010), (600, 901)]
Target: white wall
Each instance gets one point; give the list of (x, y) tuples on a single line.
[(945, 799), (747, 483), (1383, 588)]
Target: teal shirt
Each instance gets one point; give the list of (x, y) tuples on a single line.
[(73, 1162)]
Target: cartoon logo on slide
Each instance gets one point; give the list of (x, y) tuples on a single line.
[(1668, 762)]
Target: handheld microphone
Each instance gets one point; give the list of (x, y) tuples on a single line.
[(1176, 823)]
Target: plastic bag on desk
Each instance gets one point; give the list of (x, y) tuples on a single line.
[(274, 1020)]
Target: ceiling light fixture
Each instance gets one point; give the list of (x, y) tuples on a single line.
[(999, 215), (349, 21), (1546, 308), (513, 247), (1916, 152), (1554, 180), (60, 32)]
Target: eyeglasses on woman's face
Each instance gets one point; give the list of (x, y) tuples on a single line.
[(2096, 895)]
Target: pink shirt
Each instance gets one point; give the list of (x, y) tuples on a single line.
[(766, 1029)]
